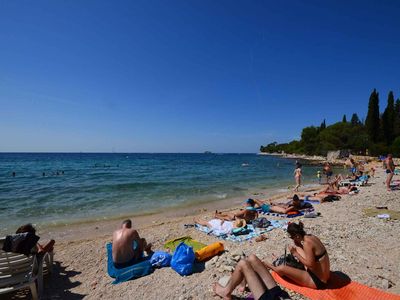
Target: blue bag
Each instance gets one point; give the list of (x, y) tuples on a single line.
[(160, 259), (183, 259)]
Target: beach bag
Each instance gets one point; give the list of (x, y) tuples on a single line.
[(183, 259), (240, 231), (209, 251), (261, 223), (160, 259), (288, 260), (331, 198)]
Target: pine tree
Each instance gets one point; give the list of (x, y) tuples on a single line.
[(344, 120), (372, 122), (388, 120), (396, 122), (355, 120), (323, 125)]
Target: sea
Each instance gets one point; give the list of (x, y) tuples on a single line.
[(63, 188)]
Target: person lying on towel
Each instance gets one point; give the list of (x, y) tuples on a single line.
[(128, 246), (248, 214), (309, 251), (221, 227), (294, 205)]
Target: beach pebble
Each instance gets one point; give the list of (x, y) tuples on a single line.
[(223, 281)]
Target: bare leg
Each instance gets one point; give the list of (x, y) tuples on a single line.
[(300, 277), (242, 270), (201, 222), (388, 180), (262, 271), (225, 216)]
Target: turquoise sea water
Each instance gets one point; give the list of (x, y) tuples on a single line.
[(77, 187)]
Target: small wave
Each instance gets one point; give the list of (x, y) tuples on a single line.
[(222, 196)]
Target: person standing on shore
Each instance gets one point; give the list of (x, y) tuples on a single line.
[(319, 176), (389, 165), (328, 171), (297, 177)]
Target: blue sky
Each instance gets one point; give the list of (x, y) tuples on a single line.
[(188, 76)]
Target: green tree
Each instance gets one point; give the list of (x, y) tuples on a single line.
[(309, 139), (323, 125), (372, 122), (355, 120), (388, 117), (344, 120), (396, 122)]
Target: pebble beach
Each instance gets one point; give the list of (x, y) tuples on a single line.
[(364, 248)]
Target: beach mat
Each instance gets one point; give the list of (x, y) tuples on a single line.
[(172, 244), (134, 271), (339, 288), (373, 212), (254, 232)]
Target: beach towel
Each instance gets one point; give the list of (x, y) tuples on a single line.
[(288, 215), (172, 244), (140, 269), (253, 232), (339, 288), (372, 212)]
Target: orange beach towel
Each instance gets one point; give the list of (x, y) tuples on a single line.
[(339, 288)]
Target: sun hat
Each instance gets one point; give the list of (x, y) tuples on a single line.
[(239, 223)]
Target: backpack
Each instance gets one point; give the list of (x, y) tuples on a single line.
[(261, 223)]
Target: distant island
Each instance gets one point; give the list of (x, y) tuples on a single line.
[(379, 134)]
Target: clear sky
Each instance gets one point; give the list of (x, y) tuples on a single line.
[(188, 76)]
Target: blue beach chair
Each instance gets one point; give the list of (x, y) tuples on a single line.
[(140, 269)]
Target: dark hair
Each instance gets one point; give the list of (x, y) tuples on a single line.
[(296, 229), (250, 201), (26, 228), (127, 222), (296, 198)]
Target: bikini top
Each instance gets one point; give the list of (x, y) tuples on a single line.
[(318, 257), (251, 208)]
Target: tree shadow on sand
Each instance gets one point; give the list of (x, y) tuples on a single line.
[(59, 284)]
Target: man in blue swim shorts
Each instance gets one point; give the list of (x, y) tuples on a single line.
[(128, 246)]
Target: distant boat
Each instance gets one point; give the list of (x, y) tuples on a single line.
[(207, 152)]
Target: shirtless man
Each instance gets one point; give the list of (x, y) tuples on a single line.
[(390, 166), (127, 246)]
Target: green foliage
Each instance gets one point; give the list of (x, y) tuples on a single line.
[(388, 117), (395, 149), (378, 135), (355, 120), (372, 122)]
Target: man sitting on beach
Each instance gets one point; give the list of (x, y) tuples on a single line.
[(127, 246), (294, 205)]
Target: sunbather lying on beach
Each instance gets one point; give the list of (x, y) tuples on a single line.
[(260, 282), (280, 208), (248, 214), (310, 251), (219, 226), (127, 246)]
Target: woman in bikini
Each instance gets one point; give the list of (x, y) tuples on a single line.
[(310, 251), (297, 177)]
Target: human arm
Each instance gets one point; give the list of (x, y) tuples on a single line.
[(309, 259)]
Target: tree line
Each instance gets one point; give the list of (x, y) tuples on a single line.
[(379, 134)]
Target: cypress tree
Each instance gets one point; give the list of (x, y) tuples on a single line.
[(388, 120), (372, 122), (323, 125), (396, 122), (344, 120), (355, 120)]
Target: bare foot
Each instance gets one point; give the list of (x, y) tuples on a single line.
[(220, 291)]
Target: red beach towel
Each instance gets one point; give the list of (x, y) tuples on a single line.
[(338, 289)]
